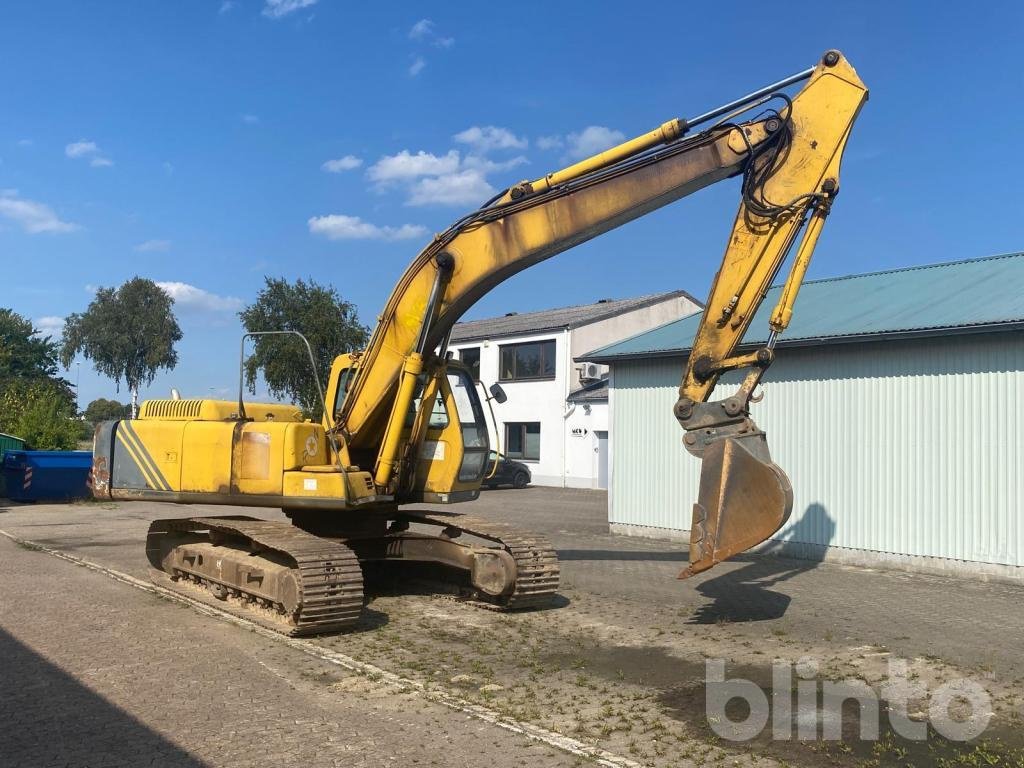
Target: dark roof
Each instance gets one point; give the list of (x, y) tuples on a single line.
[(956, 297), (556, 319), (594, 392)]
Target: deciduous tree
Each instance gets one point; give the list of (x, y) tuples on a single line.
[(36, 404), (24, 355), (40, 414), (128, 333), (102, 409), (330, 323)]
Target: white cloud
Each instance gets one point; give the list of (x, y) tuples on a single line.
[(25, 142), (154, 246), (276, 9), (189, 297), (425, 31), (250, 119), (467, 187), (338, 226), (448, 179), (591, 140), (49, 325), (346, 163), (168, 167), (226, 6), (486, 165), (421, 29), (33, 217), (452, 178), (405, 166), (550, 142), (83, 149), (489, 137)]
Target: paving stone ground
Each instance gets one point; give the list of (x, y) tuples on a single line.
[(966, 622), (95, 673)]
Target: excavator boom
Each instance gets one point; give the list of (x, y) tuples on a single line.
[(789, 159)]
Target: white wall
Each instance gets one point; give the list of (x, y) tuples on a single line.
[(581, 457), (911, 448), (542, 401), (566, 459), (594, 335)]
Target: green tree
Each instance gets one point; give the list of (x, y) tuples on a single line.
[(330, 323), (40, 412), (35, 403), (47, 424), (128, 333), (102, 409), (24, 355)]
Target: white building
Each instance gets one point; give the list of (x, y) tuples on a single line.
[(895, 405), (556, 416)]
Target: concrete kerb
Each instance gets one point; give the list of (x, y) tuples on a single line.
[(857, 558)]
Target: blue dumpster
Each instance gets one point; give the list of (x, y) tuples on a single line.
[(50, 475)]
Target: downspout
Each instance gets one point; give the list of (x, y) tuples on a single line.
[(565, 395), (611, 443)]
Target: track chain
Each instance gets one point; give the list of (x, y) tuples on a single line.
[(537, 570), (330, 577)]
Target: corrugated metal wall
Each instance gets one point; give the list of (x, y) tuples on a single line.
[(908, 447)]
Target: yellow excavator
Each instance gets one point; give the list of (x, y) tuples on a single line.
[(403, 423)]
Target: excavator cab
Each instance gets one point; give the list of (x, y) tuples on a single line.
[(446, 445), (443, 441)]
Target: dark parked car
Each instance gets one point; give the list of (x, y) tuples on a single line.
[(509, 472)]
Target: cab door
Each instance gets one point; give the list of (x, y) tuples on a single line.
[(452, 456)]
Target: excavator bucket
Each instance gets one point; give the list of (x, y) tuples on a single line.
[(744, 499)]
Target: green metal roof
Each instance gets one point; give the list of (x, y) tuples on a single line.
[(956, 297)]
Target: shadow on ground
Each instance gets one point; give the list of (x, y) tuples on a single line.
[(622, 554), (746, 594), (52, 719)]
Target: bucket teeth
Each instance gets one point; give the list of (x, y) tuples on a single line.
[(744, 499)]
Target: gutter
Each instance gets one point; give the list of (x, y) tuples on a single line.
[(820, 341)]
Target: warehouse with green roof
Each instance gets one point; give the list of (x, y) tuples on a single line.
[(896, 406)]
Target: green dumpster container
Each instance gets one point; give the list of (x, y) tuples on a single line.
[(8, 443)]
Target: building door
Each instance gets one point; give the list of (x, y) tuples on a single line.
[(602, 459)]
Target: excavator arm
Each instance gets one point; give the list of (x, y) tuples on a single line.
[(788, 157)]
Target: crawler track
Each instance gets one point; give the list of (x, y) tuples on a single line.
[(537, 571), (329, 576)]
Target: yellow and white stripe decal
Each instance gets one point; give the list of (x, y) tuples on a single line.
[(137, 450)]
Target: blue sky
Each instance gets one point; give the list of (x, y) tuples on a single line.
[(205, 144)]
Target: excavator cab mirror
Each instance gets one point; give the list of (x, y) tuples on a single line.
[(498, 393)]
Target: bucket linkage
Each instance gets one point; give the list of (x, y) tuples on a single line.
[(744, 497)]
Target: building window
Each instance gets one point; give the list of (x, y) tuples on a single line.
[(523, 362), (522, 440), (470, 357)]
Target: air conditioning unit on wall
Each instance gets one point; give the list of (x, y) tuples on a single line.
[(590, 372)]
